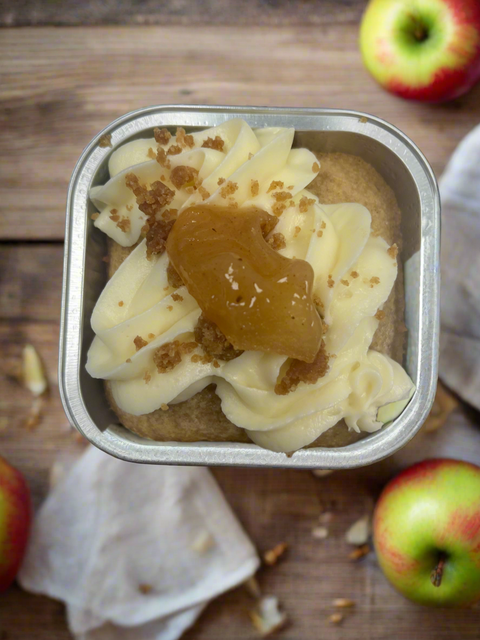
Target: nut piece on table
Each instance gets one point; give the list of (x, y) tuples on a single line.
[(359, 532), (267, 617), (272, 556), (33, 372)]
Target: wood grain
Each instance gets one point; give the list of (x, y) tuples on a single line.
[(179, 12), (273, 505), (61, 86)]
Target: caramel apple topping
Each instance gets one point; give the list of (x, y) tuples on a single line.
[(259, 299)]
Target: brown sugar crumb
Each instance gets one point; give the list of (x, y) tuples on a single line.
[(183, 175), (184, 139), (196, 358), (173, 277), (169, 307), (151, 336), (278, 208), (162, 136), (229, 189), (120, 304), (163, 160), (174, 150), (213, 341), (393, 251), (254, 188), (330, 281), (315, 167), (170, 354), (216, 364), (113, 212), (105, 140), (139, 343), (297, 231), (275, 184), (124, 224), (147, 377), (220, 181), (354, 274), (374, 280), (345, 283), (204, 193), (164, 407), (305, 203), (176, 297), (150, 201), (380, 315), (320, 233), (157, 236), (214, 143), (306, 372), (281, 196), (277, 241), (129, 207), (151, 154)]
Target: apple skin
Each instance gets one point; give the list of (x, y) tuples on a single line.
[(15, 521), (445, 65), (430, 508)]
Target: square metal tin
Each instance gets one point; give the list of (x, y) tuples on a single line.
[(403, 167)]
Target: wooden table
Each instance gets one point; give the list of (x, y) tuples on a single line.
[(60, 85)]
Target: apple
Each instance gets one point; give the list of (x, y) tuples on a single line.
[(15, 519), (426, 530), (427, 50)]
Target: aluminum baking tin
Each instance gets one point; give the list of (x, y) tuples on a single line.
[(403, 167)]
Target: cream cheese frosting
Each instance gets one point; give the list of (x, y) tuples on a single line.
[(354, 274)]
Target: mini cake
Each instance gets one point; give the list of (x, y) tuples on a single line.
[(252, 294)]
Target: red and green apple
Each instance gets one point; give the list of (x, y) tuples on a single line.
[(427, 50), (15, 518), (427, 533)]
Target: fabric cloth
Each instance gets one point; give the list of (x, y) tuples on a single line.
[(460, 270), (135, 551)]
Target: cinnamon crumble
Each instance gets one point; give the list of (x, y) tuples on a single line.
[(213, 341), (162, 136), (163, 160), (275, 184), (393, 251), (184, 139), (139, 343), (211, 143), (149, 201), (299, 371), (174, 150), (105, 140), (229, 189), (281, 196), (167, 356), (204, 193), (254, 188), (176, 297), (277, 241), (305, 203), (182, 175), (151, 154), (157, 236)]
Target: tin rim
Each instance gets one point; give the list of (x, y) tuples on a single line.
[(117, 440)]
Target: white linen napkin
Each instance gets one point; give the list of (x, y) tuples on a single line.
[(460, 269), (135, 551)]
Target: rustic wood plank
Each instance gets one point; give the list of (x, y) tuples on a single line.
[(61, 86), (165, 12), (273, 505)]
